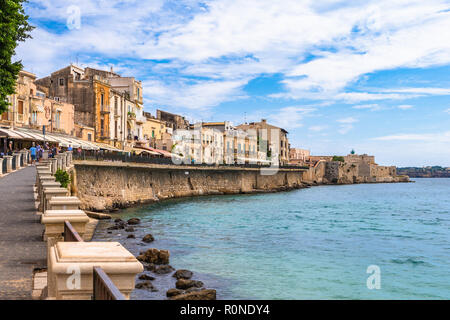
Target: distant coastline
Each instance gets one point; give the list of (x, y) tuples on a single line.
[(425, 172)]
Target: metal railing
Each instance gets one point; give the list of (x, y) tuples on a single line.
[(14, 165), (70, 234), (143, 158), (4, 165), (104, 288)]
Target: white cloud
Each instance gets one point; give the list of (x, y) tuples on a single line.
[(347, 120), (447, 110), (231, 42), (371, 107), (426, 137), (318, 128), (346, 124), (290, 117), (405, 106)]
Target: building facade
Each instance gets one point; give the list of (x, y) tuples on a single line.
[(272, 140), (30, 108)]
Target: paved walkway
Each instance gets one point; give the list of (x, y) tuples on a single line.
[(21, 245)]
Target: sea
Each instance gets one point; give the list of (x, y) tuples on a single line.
[(361, 241)]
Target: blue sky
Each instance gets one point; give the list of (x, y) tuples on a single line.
[(373, 76)]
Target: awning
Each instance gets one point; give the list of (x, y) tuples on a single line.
[(10, 133), (108, 147)]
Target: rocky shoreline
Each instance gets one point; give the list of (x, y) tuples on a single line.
[(156, 264)]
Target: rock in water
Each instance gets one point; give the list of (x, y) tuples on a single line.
[(183, 274), (146, 277), (186, 284), (164, 269), (148, 238), (155, 256), (129, 229), (133, 221), (207, 294), (131, 236), (173, 292), (146, 285)]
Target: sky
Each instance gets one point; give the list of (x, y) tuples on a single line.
[(373, 76)]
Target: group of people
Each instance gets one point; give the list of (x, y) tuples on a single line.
[(37, 152)]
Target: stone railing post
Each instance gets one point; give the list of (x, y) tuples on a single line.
[(1, 166), (54, 222), (64, 203), (8, 160), (43, 181), (67, 257), (16, 157), (48, 193)]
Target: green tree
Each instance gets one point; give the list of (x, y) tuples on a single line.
[(338, 158), (14, 27)]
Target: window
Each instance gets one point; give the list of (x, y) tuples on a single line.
[(61, 82), (57, 119), (89, 137), (102, 99), (31, 92), (20, 107)]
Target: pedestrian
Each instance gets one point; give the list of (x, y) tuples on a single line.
[(69, 148), (33, 154)]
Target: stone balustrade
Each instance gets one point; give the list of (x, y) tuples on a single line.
[(48, 193), (71, 268), (43, 178), (46, 184), (64, 203), (1, 166), (54, 222)]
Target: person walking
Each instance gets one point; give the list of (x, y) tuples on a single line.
[(33, 154)]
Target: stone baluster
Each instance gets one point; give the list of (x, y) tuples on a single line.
[(1, 166)]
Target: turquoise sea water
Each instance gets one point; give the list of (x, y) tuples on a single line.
[(311, 243)]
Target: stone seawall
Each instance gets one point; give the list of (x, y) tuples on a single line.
[(107, 185)]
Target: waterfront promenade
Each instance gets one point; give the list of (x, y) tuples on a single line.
[(21, 245)]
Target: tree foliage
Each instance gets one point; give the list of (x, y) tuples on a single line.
[(338, 158), (14, 28)]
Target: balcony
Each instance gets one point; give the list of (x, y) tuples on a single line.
[(131, 116), (104, 110)]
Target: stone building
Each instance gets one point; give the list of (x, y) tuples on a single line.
[(30, 108), (157, 133), (174, 121), (272, 140), (299, 156), (103, 100)]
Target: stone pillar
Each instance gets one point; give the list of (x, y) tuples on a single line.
[(54, 165), (42, 171), (54, 222), (64, 203), (8, 160), (70, 157), (17, 157), (48, 193), (45, 185), (116, 261), (1, 166), (58, 157), (43, 178)]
